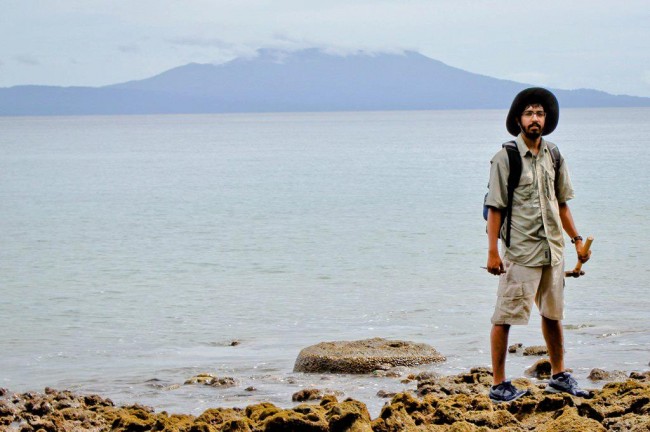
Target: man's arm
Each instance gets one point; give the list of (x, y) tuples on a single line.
[(494, 263), (570, 228)]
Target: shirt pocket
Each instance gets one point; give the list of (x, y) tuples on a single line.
[(549, 184), (525, 188)]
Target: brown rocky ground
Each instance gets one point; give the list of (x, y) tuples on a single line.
[(455, 404)]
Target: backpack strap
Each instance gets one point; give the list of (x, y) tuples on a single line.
[(557, 161), (514, 173)]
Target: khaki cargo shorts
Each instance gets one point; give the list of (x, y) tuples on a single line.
[(519, 286)]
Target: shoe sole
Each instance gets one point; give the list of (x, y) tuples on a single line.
[(511, 400), (553, 390)]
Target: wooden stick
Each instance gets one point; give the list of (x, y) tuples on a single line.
[(576, 271)]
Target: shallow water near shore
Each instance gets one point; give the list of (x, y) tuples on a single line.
[(135, 250)]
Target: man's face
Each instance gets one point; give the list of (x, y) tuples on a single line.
[(532, 120)]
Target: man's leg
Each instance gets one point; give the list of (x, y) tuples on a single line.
[(499, 349), (560, 381), (552, 331)]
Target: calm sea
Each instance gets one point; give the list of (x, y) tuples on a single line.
[(134, 250)]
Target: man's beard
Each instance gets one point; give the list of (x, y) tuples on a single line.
[(530, 134)]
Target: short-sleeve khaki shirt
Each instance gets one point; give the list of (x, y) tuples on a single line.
[(536, 235)]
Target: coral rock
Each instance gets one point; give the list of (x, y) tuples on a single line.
[(364, 356), (603, 375), (539, 350), (541, 369), (307, 395)]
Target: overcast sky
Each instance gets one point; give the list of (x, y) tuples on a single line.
[(565, 44)]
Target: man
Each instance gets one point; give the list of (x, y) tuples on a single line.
[(532, 268)]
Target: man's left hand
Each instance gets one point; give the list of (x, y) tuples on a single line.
[(582, 256)]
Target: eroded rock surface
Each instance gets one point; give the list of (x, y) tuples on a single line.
[(603, 375), (364, 356), (537, 350), (211, 380), (456, 403)]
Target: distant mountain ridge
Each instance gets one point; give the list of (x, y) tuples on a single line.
[(307, 80)]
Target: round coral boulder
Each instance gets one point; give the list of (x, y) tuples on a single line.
[(364, 356)]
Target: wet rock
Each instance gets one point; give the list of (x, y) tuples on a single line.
[(494, 420), (515, 348), (230, 419), (476, 380), (628, 422), (475, 376), (39, 407), (349, 416), (598, 375), (395, 417), (603, 375), (301, 418), (540, 370), (328, 400), (553, 402), (94, 400), (201, 378), (538, 350), (569, 420), (133, 418), (383, 367), (307, 395), (260, 412), (7, 412), (430, 376), (390, 372), (616, 400), (640, 376), (211, 380), (224, 382), (578, 326), (364, 356), (457, 403), (171, 387), (385, 394), (155, 383)]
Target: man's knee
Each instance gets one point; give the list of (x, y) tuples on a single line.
[(551, 321), (500, 332)]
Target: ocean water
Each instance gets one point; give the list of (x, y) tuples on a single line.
[(134, 250)]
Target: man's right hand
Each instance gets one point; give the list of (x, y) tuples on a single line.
[(494, 264)]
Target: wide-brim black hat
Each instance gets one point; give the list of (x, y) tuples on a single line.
[(534, 95)]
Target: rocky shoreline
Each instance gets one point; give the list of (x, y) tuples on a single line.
[(456, 403)]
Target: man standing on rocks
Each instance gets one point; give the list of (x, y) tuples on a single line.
[(532, 268)]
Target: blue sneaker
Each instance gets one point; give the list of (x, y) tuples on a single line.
[(506, 392), (565, 383)]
